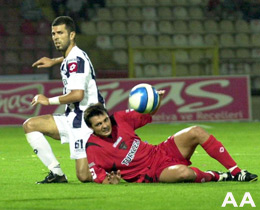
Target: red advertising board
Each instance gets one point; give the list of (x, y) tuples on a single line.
[(196, 99)]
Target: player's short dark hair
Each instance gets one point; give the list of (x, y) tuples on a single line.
[(92, 111), (68, 21)]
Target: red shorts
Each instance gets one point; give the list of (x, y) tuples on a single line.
[(165, 154)]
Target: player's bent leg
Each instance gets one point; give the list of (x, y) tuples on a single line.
[(82, 170), (188, 139), (177, 173), (35, 128), (44, 124)]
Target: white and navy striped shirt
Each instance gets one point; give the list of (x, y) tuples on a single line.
[(78, 74)]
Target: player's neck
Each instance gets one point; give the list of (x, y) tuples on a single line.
[(66, 53)]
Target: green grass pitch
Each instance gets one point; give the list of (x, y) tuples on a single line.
[(20, 169)]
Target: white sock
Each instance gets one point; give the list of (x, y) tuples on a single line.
[(43, 150), (232, 169)]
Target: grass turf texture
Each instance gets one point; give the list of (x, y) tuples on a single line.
[(20, 169)]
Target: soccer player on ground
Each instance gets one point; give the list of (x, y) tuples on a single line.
[(80, 90), (114, 150)]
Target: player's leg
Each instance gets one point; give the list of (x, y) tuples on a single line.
[(82, 170), (183, 173), (44, 124), (35, 128), (78, 140), (181, 152), (177, 173), (187, 140)]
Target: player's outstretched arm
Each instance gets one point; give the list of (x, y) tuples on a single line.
[(161, 94), (112, 178), (45, 62)]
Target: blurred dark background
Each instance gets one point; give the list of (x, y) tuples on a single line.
[(107, 28)]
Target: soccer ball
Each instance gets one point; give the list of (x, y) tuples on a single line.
[(143, 98)]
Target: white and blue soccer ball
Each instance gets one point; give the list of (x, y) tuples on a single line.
[(143, 98)]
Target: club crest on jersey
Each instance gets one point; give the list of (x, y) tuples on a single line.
[(123, 145), (73, 67)]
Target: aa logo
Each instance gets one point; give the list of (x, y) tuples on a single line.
[(246, 200)]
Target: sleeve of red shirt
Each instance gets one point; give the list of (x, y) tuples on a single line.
[(135, 119), (98, 173)]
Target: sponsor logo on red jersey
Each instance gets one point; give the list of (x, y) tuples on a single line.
[(131, 153)]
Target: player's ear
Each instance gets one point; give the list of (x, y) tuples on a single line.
[(72, 35)]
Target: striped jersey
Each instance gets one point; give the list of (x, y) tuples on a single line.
[(77, 73)]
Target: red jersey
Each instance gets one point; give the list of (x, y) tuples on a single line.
[(137, 161), (123, 151)]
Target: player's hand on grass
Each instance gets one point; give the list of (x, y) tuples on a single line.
[(40, 99), (114, 178), (45, 62)]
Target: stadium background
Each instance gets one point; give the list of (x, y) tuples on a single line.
[(144, 39), (138, 38)]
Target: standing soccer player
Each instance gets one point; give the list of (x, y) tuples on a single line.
[(79, 92)]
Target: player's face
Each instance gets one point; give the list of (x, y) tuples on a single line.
[(61, 37), (101, 125)]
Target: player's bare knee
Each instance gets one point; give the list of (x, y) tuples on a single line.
[(195, 131), (183, 173), (28, 126), (198, 133)]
